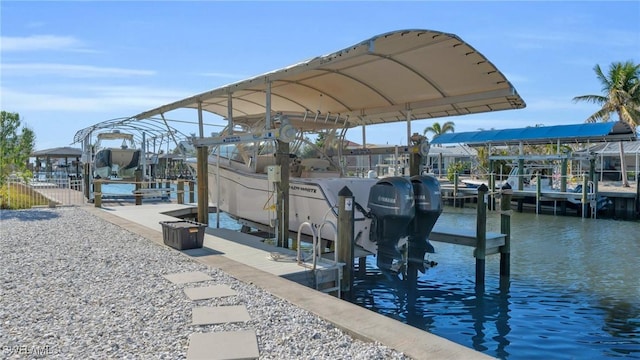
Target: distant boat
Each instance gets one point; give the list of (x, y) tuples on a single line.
[(116, 163)]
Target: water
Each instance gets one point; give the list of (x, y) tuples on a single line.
[(574, 290)]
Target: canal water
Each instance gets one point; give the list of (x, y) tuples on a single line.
[(574, 291)]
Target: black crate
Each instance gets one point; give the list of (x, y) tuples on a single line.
[(183, 234)]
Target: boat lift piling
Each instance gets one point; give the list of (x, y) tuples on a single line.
[(505, 228), (345, 240)]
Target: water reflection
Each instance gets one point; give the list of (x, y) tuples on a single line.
[(574, 291)]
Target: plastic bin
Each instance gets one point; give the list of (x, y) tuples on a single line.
[(183, 234)]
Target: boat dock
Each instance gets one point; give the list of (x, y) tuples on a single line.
[(250, 260)]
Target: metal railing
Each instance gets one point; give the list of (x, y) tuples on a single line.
[(42, 191)]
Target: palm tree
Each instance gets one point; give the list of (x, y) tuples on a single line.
[(621, 95), (438, 129)]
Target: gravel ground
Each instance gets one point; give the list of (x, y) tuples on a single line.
[(74, 286)]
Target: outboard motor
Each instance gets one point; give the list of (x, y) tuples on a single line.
[(428, 207), (391, 207)]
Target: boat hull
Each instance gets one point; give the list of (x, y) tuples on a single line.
[(250, 196)]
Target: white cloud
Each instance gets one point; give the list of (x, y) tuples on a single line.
[(76, 71), (41, 42), (123, 100)]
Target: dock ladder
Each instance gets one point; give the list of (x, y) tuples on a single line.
[(328, 273)]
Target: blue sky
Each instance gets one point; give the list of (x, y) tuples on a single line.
[(68, 65)]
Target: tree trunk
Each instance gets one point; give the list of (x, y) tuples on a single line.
[(623, 166)]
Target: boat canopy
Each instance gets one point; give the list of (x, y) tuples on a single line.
[(578, 133), (396, 76)]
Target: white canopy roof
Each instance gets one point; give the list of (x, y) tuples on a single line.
[(429, 73)]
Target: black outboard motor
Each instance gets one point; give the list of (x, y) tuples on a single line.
[(428, 207), (391, 207)]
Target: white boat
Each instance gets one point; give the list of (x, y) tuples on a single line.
[(116, 162)]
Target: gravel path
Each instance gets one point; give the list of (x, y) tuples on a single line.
[(74, 286)]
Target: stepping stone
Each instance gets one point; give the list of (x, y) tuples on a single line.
[(227, 345), (209, 292), (187, 277), (206, 315)]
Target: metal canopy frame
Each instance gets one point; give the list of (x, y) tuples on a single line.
[(150, 127), (397, 76)]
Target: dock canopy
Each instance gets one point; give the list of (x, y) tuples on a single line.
[(396, 76), (58, 152), (580, 133)]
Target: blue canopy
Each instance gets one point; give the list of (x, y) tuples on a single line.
[(580, 133)]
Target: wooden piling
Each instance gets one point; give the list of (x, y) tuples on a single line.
[(505, 228), (282, 191), (137, 193), (584, 200), (345, 240), (180, 192), (97, 193), (538, 193), (203, 177), (481, 235)]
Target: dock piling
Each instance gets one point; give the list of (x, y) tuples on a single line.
[(505, 228), (345, 240), (481, 234)]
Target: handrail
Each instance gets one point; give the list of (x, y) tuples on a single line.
[(313, 236)]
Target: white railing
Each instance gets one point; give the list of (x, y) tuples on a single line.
[(42, 191)]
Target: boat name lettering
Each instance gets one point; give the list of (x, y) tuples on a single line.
[(301, 188)]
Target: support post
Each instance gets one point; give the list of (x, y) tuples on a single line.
[(563, 184), (97, 193), (192, 192), (584, 201), (492, 187), (87, 180), (505, 228), (538, 193), (180, 192), (345, 239), (455, 190), (203, 178), (138, 194), (481, 238), (282, 203)]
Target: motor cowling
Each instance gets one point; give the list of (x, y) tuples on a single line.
[(428, 207), (391, 205)]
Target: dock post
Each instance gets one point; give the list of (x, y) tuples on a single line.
[(584, 199), (538, 193), (192, 192), (481, 238), (563, 184), (138, 194), (203, 186), (282, 193), (345, 240), (97, 193), (492, 187), (455, 190), (505, 228), (180, 192)]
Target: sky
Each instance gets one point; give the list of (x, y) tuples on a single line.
[(66, 65)]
